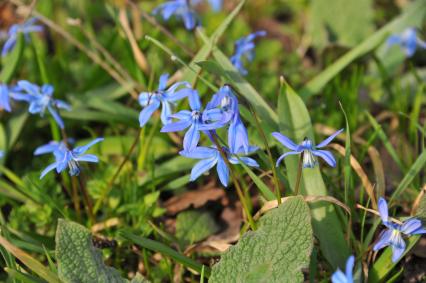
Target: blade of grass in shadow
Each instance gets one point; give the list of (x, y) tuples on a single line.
[(418, 165), (414, 14), (386, 142), (165, 250), (347, 166), (296, 124), (30, 262)]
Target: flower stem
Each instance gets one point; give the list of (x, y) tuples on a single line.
[(87, 200), (114, 177), (299, 175), (75, 198), (268, 150), (235, 181)]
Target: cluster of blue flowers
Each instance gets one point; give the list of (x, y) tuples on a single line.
[(221, 111)]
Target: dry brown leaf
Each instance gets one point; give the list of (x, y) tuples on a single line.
[(195, 198)]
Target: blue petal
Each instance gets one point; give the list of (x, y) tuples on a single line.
[(48, 169), (180, 94), (285, 141), (144, 98), (147, 112), (349, 268), (384, 240), (246, 160), (191, 138), (194, 100), (182, 115), (238, 137), (8, 45), (4, 98), (326, 155), (383, 210), (163, 82), (339, 277), (88, 158), (47, 148), (329, 139), (411, 226), (47, 89), (28, 87), (62, 105), (82, 149), (56, 116), (201, 153), (216, 4), (190, 20), (166, 111), (202, 167), (176, 126), (284, 156), (223, 172), (398, 248)]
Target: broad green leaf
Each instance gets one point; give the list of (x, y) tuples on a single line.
[(412, 16), (212, 67), (296, 124), (275, 252), (193, 226), (165, 250), (78, 260), (11, 61), (29, 261), (339, 21)]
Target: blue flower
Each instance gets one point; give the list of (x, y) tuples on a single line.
[(190, 119), (4, 98), (408, 41), (41, 98), (15, 30), (211, 156), (164, 97), (65, 157), (347, 277), (180, 9), (223, 108), (244, 48), (1, 154), (393, 235), (308, 149)]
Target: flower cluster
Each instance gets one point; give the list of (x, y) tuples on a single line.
[(17, 29), (244, 49), (39, 99), (184, 10), (221, 111)]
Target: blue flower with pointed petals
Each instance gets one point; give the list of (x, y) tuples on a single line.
[(180, 9), (347, 277), (211, 156), (25, 28), (309, 150), (65, 157), (151, 101), (190, 119), (223, 108), (408, 41), (244, 48), (40, 99), (392, 236)]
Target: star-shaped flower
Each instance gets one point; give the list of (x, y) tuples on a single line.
[(181, 9), (40, 99), (309, 150), (244, 48), (66, 158), (14, 31), (151, 101), (392, 236)]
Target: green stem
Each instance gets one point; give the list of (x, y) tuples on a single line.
[(235, 181), (87, 200), (268, 150), (299, 175), (114, 177), (75, 198)]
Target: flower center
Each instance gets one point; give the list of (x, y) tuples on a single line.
[(309, 160), (196, 115)]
